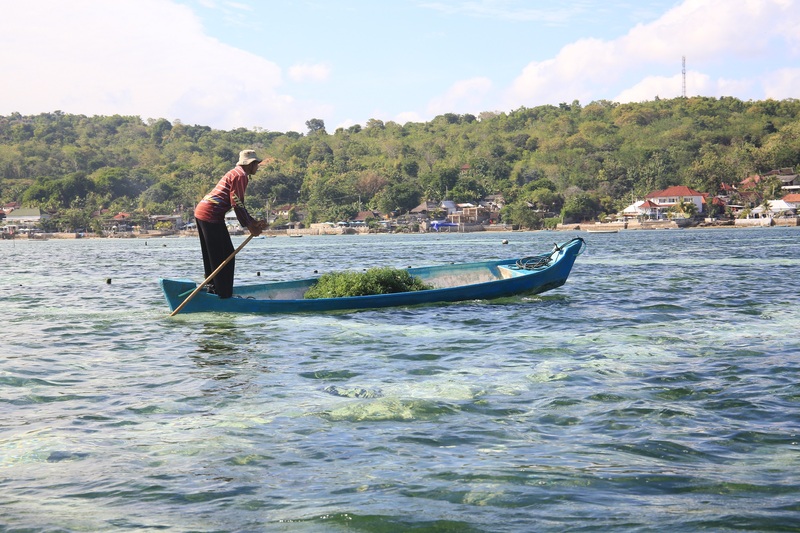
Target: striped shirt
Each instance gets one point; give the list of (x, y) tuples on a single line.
[(229, 193)]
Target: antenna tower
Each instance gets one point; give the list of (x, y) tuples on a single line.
[(683, 58)]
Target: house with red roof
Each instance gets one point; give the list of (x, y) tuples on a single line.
[(750, 182), (749, 189), (291, 212), (793, 199), (652, 210), (675, 195), (657, 203)]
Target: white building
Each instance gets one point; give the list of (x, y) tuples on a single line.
[(676, 195)]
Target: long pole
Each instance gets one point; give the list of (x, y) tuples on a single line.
[(211, 276)]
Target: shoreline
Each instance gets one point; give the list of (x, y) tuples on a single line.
[(592, 227)]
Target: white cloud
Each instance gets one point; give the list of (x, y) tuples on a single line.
[(154, 59), (782, 84), (462, 96), (149, 58), (408, 116), (344, 124), (650, 87), (306, 72), (645, 62), (558, 13), (672, 87), (722, 87)]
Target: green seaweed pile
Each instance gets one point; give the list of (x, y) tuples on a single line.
[(380, 280)]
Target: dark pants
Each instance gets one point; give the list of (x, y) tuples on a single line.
[(215, 242)]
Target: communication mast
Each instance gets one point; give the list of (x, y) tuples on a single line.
[(684, 75)]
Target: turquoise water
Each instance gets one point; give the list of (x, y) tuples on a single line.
[(659, 389)]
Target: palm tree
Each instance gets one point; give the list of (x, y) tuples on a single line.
[(689, 209), (766, 208)]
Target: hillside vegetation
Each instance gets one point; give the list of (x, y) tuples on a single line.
[(577, 160)]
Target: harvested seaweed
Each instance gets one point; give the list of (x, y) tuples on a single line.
[(381, 280)]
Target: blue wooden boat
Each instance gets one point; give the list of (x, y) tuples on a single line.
[(451, 282)]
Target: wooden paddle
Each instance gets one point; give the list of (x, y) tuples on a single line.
[(211, 276)]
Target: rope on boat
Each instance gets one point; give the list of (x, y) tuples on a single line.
[(534, 261), (538, 261)]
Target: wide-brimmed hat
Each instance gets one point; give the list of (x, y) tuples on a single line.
[(247, 156)]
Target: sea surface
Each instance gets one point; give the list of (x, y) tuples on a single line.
[(658, 390)]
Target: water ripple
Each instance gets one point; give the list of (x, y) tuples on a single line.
[(654, 391)]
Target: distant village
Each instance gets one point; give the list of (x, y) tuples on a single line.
[(678, 206), (741, 205)]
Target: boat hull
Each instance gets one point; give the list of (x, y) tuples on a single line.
[(452, 283)]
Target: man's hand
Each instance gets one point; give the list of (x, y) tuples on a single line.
[(256, 227)]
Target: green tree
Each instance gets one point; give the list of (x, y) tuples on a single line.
[(398, 197), (117, 182), (71, 220), (468, 191), (607, 151), (315, 125), (546, 200), (580, 208), (521, 214)]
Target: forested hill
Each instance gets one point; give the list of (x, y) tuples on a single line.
[(581, 159)]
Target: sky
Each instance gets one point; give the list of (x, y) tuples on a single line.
[(275, 64)]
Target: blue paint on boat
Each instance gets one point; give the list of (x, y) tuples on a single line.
[(452, 283), (438, 224)]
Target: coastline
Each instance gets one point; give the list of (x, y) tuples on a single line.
[(636, 225), (588, 227)]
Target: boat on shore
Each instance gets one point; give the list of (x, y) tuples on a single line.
[(451, 283)]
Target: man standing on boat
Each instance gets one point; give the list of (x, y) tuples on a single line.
[(215, 241)]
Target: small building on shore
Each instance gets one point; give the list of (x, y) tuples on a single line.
[(26, 217)]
